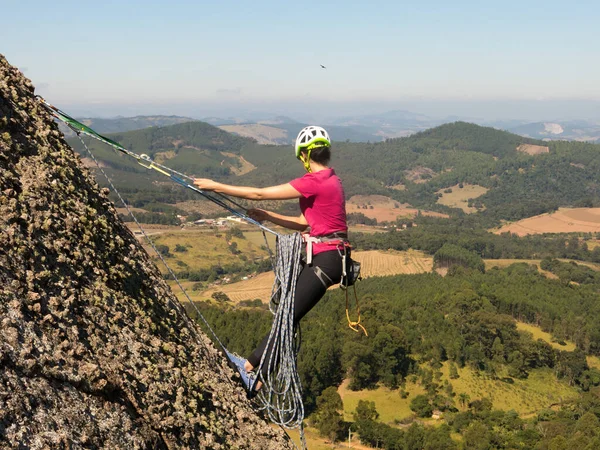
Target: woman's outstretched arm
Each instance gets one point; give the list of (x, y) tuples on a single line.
[(298, 223), (282, 192)]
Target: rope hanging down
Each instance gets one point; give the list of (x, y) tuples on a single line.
[(281, 396), (294, 415)]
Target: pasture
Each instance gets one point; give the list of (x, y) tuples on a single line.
[(537, 333), (459, 197), (565, 220), (384, 209), (374, 263), (540, 390)]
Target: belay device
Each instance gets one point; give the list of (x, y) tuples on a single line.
[(350, 269)]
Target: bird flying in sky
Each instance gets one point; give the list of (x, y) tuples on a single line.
[(322, 66)]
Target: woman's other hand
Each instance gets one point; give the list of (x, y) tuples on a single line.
[(259, 215), (205, 184)]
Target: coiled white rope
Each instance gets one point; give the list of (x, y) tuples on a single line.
[(281, 394)]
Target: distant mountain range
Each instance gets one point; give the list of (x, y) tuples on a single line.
[(123, 124), (282, 130), (395, 123), (359, 128), (563, 130)]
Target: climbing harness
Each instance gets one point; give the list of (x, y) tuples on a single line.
[(350, 271), (336, 237)]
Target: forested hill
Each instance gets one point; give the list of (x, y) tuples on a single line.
[(521, 176), (193, 147)]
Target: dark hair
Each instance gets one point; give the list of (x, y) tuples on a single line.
[(321, 155)]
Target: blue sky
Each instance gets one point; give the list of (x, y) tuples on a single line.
[(163, 57)]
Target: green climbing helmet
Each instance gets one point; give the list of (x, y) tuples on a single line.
[(311, 137)]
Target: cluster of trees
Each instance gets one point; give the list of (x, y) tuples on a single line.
[(571, 271), (453, 255), (358, 218), (467, 318), (575, 426), (432, 234)]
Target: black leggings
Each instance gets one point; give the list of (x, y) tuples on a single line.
[(309, 290)]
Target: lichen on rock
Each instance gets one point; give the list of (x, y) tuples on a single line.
[(95, 350)]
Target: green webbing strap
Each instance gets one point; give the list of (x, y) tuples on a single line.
[(145, 161)]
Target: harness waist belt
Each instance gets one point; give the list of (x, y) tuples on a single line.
[(338, 236)]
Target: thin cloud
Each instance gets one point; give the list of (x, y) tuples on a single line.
[(235, 92)]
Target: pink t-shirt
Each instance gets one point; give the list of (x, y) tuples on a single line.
[(323, 205)]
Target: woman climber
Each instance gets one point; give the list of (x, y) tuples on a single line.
[(323, 210)]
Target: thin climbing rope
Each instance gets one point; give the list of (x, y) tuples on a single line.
[(281, 396), (145, 161), (186, 318)]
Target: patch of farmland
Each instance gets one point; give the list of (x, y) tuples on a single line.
[(533, 149), (244, 166), (250, 289), (374, 263), (565, 220), (459, 197), (379, 263), (384, 209)]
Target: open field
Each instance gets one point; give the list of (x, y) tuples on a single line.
[(390, 405), (374, 263), (384, 209), (245, 166), (537, 333), (420, 174), (592, 243), (315, 442), (203, 249), (593, 361), (380, 263), (250, 289), (459, 197), (256, 237), (565, 220), (531, 149), (540, 390)]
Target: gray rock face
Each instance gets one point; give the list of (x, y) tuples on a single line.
[(95, 350)]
